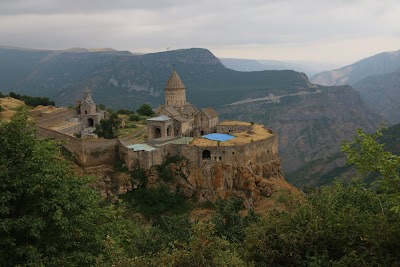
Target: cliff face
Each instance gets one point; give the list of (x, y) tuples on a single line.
[(309, 126), (251, 183), (381, 93)]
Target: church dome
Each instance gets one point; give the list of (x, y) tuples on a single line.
[(174, 82)]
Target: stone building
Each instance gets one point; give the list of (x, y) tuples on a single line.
[(89, 113), (177, 117), (78, 120)]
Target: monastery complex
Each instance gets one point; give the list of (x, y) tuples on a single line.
[(213, 149)]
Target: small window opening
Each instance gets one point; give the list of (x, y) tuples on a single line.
[(206, 154)]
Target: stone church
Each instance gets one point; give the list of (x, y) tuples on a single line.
[(88, 113), (177, 117)]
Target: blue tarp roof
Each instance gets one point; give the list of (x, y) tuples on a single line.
[(218, 137)]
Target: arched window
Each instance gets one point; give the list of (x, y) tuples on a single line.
[(169, 131), (206, 154)]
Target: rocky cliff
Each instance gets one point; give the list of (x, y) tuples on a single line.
[(381, 93), (254, 184), (309, 125)]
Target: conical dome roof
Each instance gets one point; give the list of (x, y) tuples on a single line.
[(174, 82)]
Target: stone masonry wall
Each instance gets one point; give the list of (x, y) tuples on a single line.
[(56, 117), (88, 152), (228, 129), (242, 155)]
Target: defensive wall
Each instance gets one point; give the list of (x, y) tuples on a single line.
[(89, 152), (247, 154), (55, 117)]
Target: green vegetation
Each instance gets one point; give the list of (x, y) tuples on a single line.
[(155, 202), (108, 128), (135, 117), (33, 101), (369, 157), (125, 112), (50, 217), (339, 225), (145, 110)]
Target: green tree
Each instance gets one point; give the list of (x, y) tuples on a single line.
[(125, 111), (48, 216), (134, 117), (369, 157), (227, 220), (108, 128), (101, 106), (338, 225), (145, 110)]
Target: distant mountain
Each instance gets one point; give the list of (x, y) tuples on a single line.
[(309, 68), (311, 120), (378, 64), (252, 64), (126, 81), (376, 78), (382, 94)]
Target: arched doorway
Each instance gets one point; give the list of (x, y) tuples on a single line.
[(169, 131), (90, 122), (206, 154), (157, 132)]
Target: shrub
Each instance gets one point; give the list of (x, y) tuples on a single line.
[(134, 117)]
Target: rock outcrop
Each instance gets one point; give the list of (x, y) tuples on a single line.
[(251, 183)]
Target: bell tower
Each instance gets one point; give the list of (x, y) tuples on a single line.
[(175, 92)]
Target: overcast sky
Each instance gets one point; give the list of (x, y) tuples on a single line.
[(313, 30)]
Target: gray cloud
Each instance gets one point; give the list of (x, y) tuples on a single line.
[(280, 29)]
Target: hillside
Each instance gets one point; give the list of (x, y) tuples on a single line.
[(240, 64), (310, 126), (9, 107), (324, 170), (126, 81), (381, 93), (378, 64)]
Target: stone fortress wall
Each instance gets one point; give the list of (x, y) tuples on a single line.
[(89, 152), (55, 117), (255, 152)]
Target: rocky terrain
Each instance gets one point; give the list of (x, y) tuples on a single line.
[(382, 94), (310, 126), (376, 78), (323, 171)]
